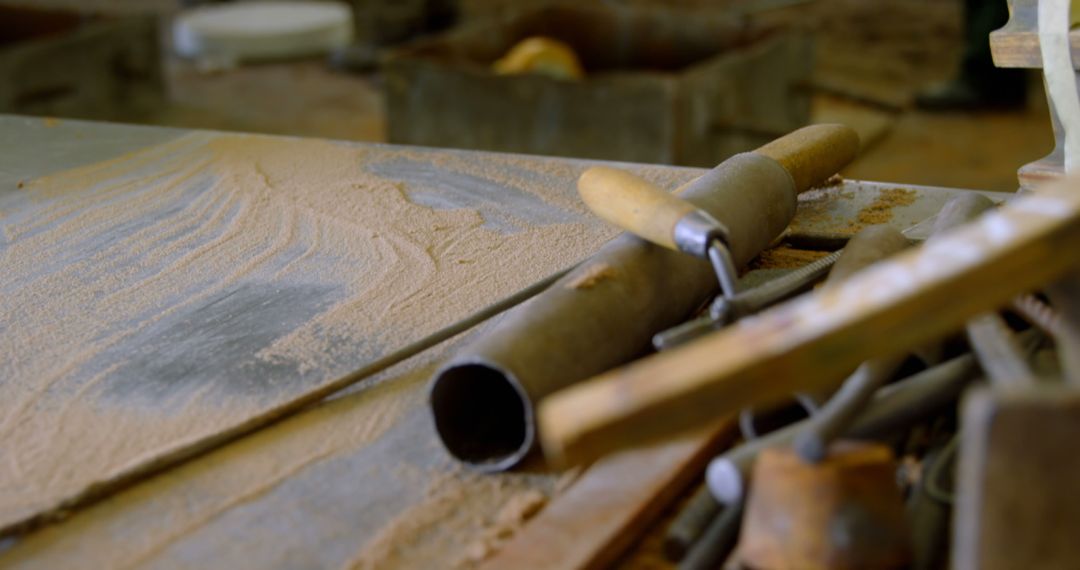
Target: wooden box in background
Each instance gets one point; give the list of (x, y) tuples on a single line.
[(662, 86), (62, 63)]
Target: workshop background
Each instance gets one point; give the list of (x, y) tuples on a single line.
[(864, 63)]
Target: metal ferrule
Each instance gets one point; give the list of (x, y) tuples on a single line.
[(696, 231)]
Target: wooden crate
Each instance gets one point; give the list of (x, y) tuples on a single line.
[(68, 64), (662, 86)]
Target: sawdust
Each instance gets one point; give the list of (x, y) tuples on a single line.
[(880, 211), (517, 510), (784, 257), (156, 244), (591, 276), (453, 505), (815, 211)]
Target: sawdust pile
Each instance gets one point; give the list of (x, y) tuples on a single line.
[(453, 506), (132, 289), (880, 211), (815, 210)]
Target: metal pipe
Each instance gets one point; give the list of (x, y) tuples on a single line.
[(690, 524), (717, 542), (601, 315)]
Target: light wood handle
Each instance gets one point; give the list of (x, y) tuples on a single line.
[(812, 154), (633, 204)]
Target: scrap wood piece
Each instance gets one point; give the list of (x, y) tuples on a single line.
[(605, 511), (807, 343), (1015, 507)]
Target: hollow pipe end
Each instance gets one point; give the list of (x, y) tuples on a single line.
[(482, 415)]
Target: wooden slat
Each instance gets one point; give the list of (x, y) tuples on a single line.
[(1017, 43), (598, 518), (808, 343)]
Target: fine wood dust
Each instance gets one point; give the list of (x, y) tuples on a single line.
[(817, 210), (592, 275), (880, 211), (454, 505), (153, 300)]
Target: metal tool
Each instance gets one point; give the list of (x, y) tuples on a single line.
[(690, 524), (918, 297), (998, 353), (724, 310), (660, 217), (893, 408), (717, 540), (857, 390), (867, 246), (1066, 299), (928, 514), (605, 312)]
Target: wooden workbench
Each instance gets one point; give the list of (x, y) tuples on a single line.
[(142, 315)]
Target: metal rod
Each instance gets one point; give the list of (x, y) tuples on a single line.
[(1039, 314), (929, 518), (998, 353), (832, 421), (893, 407), (690, 524), (725, 269), (716, 542), (599, 316), (725, 310)]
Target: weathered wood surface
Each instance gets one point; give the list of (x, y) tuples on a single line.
[(605, 512), (338, 483), (155, 299), (1016, 506)]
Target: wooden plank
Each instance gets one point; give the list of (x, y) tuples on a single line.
[(155, 300), (810, 342), (606, 511), (1017, 43), (1015, 507), (357, 482)]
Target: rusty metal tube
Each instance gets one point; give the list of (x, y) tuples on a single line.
[(602, 314), (605, 312)]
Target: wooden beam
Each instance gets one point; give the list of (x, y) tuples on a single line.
[(601, 515), (808, 343)]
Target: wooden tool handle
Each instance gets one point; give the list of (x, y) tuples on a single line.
[(633, 204), (812, 154)]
